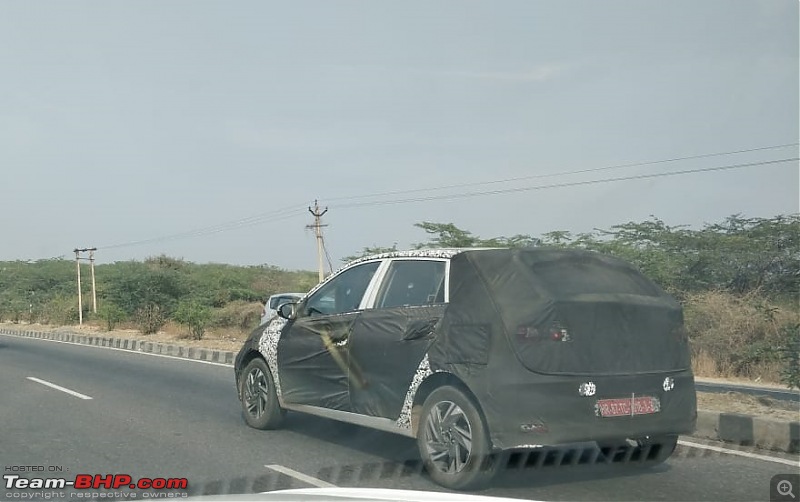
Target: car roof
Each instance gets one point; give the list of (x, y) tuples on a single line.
[(411, 253), (418, 253)]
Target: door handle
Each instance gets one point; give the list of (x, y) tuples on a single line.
[(420, 329)]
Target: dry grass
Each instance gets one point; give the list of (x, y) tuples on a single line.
[(704, 365), (242, 315), (736, 336)]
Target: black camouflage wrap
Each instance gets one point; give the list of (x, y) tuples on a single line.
[(616, 328), (523, 330)]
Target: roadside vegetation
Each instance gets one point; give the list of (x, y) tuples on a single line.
[(147, 296), (738, 281)]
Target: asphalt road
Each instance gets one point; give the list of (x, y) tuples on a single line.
[(152, 416)]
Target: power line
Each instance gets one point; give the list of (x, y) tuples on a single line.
[(293, 211), (464, 195), (565, 173), (327, 255), (279, 214)]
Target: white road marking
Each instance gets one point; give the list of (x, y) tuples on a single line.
[(58, 387), (765, 458), (300, 476), (127, 351)]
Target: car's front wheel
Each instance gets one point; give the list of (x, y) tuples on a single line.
[(453, 441), (259, 399)]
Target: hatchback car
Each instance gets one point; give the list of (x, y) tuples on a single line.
[(478, 352)]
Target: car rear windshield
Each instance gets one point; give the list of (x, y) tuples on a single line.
[(572, 277)]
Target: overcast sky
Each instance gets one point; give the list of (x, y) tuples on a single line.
[(128, 121)]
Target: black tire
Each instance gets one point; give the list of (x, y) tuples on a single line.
[(666, 447), (453, 441), (260, 406), (651, 451)]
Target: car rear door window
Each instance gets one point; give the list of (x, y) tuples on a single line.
[(412, 283)]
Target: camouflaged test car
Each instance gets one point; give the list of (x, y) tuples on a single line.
[(482, 351)]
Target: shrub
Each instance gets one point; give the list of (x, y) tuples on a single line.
[(150, 318), (790, 355), (239, 314), (60, 310), (741, 334), (111, 313), (194, 316)]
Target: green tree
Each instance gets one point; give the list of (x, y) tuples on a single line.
[(134, 285), (150, 318), (112, 314), (195, 316), (447, 235), (368, 251), (60, 310)]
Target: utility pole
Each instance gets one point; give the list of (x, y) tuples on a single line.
[(317, 226), (80, 298), (94, 288)]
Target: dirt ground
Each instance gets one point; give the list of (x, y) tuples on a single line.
[(734, 402), (231, 339)]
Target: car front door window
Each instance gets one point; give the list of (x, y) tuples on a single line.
[(343, 293)]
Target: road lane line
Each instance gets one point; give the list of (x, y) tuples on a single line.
[(300, 476), (765, 458), (128, 351), (58, 387)]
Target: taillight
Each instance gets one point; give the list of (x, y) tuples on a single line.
[(555, 333), (559, 335)]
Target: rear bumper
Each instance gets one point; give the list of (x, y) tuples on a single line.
[(548, 410)]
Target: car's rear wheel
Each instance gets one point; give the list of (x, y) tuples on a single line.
[(259, 399), (453, 441)]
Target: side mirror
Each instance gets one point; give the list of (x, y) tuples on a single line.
[(288, 311)]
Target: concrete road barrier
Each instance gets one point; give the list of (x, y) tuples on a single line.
[(746, 430), (166, 349)]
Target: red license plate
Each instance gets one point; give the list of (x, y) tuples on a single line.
[(644, 405)]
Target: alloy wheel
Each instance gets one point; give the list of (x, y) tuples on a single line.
[(448, 437), (256, 390)]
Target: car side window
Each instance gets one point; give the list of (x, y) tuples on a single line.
[(343, 293), (412, 283)]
